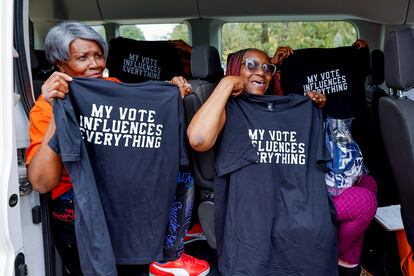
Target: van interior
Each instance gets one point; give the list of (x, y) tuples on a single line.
[(212, 29)]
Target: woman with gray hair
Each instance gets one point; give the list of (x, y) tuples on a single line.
[(76, 50)]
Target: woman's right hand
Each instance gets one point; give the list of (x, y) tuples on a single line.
[(237, 84), (56, 86)]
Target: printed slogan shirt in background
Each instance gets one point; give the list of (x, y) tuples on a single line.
[(122, 145), (339, 73), (272, 210), (136, 61)]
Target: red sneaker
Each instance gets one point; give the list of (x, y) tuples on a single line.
[(195, 234), (186, 265)]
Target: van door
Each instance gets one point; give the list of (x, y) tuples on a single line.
[(21, 242)]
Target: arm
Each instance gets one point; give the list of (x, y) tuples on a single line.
[(44, 165), (45, 168), (209, 120)]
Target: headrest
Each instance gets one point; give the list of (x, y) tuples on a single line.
[(205, 63), (399, 59), (377, 67)]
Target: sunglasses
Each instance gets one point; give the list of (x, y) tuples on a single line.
[(253, 65)]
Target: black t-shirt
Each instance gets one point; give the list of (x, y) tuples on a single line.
[(124, 170), (339, 73), (136, 61), (272, 209)]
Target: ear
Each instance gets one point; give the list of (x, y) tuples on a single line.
[(61, 66)]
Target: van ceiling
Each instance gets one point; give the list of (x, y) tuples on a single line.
[(393, 12)]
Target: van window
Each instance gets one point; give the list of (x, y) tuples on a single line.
[(155, 32), (100, 30), (267, 36)]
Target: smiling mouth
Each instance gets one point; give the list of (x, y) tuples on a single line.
[(258, 83)]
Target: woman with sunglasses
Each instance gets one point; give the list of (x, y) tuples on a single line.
[(260, 230), (249, 70)]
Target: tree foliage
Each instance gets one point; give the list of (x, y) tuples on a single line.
[(270, 35), (131, 31), (180, 31)]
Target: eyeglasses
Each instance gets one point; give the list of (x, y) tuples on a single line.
[(253, 65)]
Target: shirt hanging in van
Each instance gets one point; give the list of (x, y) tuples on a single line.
[(122, 145)]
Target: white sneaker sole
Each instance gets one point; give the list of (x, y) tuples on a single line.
[(181, 272)]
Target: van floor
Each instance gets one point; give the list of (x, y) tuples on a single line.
[(379, 254)]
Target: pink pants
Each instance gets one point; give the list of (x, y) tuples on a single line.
[(355, 208)]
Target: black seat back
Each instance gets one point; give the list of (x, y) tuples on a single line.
[(396, 119), (373, 147), (206, 70)]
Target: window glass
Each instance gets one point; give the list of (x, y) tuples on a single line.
[(267, 36), (100, 29), (155, 32)]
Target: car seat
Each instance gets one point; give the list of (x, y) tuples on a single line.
[(396, 120), (206, 71), (373, 146)]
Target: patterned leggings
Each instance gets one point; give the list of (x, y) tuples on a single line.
[(355, 207), (180, 216)]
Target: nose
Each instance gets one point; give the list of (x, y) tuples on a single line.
[(260, 71), (94, 62)]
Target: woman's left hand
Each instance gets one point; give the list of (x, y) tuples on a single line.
[(182, 84), (318, 98)]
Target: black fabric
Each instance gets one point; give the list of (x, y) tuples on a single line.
[(339, 73), (377, 67), (349, 271), (399, 56), (65, 242), (130, 133), (272, 207), (136, 61), (398, 134)]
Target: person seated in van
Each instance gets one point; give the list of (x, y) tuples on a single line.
[(77, 51), (355, 206), (257, 220)]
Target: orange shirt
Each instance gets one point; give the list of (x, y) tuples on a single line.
[(40, 116), (406, 254)]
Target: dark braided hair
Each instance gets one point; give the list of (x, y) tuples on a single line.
[(234, 61)]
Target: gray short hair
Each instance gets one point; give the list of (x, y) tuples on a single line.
[(60, 37)]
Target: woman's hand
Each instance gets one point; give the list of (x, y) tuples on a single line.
[(360, 43), (280, 54), (318, 98), (56, 86), (182, 84), (237, 85)]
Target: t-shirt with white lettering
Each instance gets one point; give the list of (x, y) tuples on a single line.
[(122, 145), (339, 73), (272, 209)]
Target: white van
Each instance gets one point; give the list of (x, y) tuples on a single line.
[(25, 237)]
